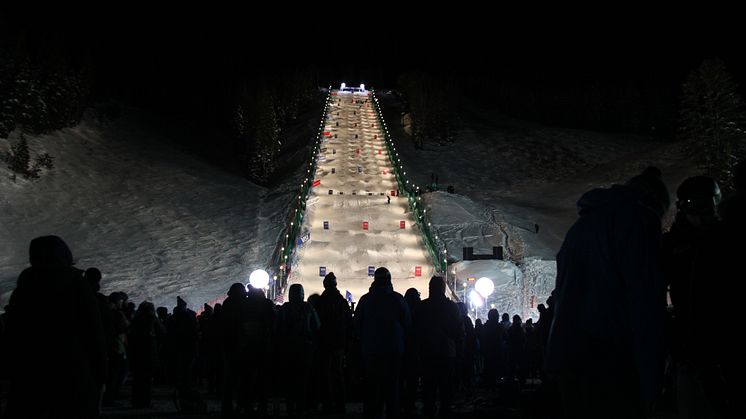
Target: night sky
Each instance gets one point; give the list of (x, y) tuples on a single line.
[(144, 56)]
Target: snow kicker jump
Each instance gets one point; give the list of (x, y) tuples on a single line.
[(355, 220)]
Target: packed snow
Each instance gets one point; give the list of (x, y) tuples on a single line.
[(350, 223), (159, 222)]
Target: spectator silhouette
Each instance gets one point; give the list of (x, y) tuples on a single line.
[(493, 345), (234, 343), (411, 359), (182, 336), (93, 277), (689, 249), (258, 328), (144, 353), (382, 318), (605, 345), (117, 348), (336, 323), (516, 349), (467, 356), (297, 323), (440, 334), (57, 367)]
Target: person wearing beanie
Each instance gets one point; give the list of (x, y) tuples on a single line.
[(330, 281), (382, 318), (606, 344)]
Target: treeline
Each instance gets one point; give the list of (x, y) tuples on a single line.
[(261, 113), (432, 103), (41, 90), (594, 103), (40, 93), (704, 108)]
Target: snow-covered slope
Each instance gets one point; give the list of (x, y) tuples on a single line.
[(160, 223), (156, 221)]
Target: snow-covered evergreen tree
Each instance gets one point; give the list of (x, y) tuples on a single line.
[(712, 119)]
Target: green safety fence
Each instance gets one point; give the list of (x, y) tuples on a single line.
[(289, 237), (436, 249)]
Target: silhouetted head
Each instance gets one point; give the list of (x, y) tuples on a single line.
[(237, 290), (506, 317), (542, 308), (256, 293), (50, 252), (412, 297), (207, 309), (653, 192), (117, 298), (93, 276), (550, 302), (382, 276), (162, 312), (330, 281), (516, 319), (146, 309), (699, 196), (296, 293), (529, 322), (493, 315), (477, 323), (437, 286)]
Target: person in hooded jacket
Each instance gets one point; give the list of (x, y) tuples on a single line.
[(336, 324), (56, 369), (440, 336), (605, 344), (411, 371), (297, 323), (382, 317), (233, 344)]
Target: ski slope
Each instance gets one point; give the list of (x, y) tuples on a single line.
[(354, 180)]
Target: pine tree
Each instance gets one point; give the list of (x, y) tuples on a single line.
[(9, 99), (261, 161), (712, 119)]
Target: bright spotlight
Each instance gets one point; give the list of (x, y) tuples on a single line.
[(484, 286), (342, 87), (476, 299), (259, 279)]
